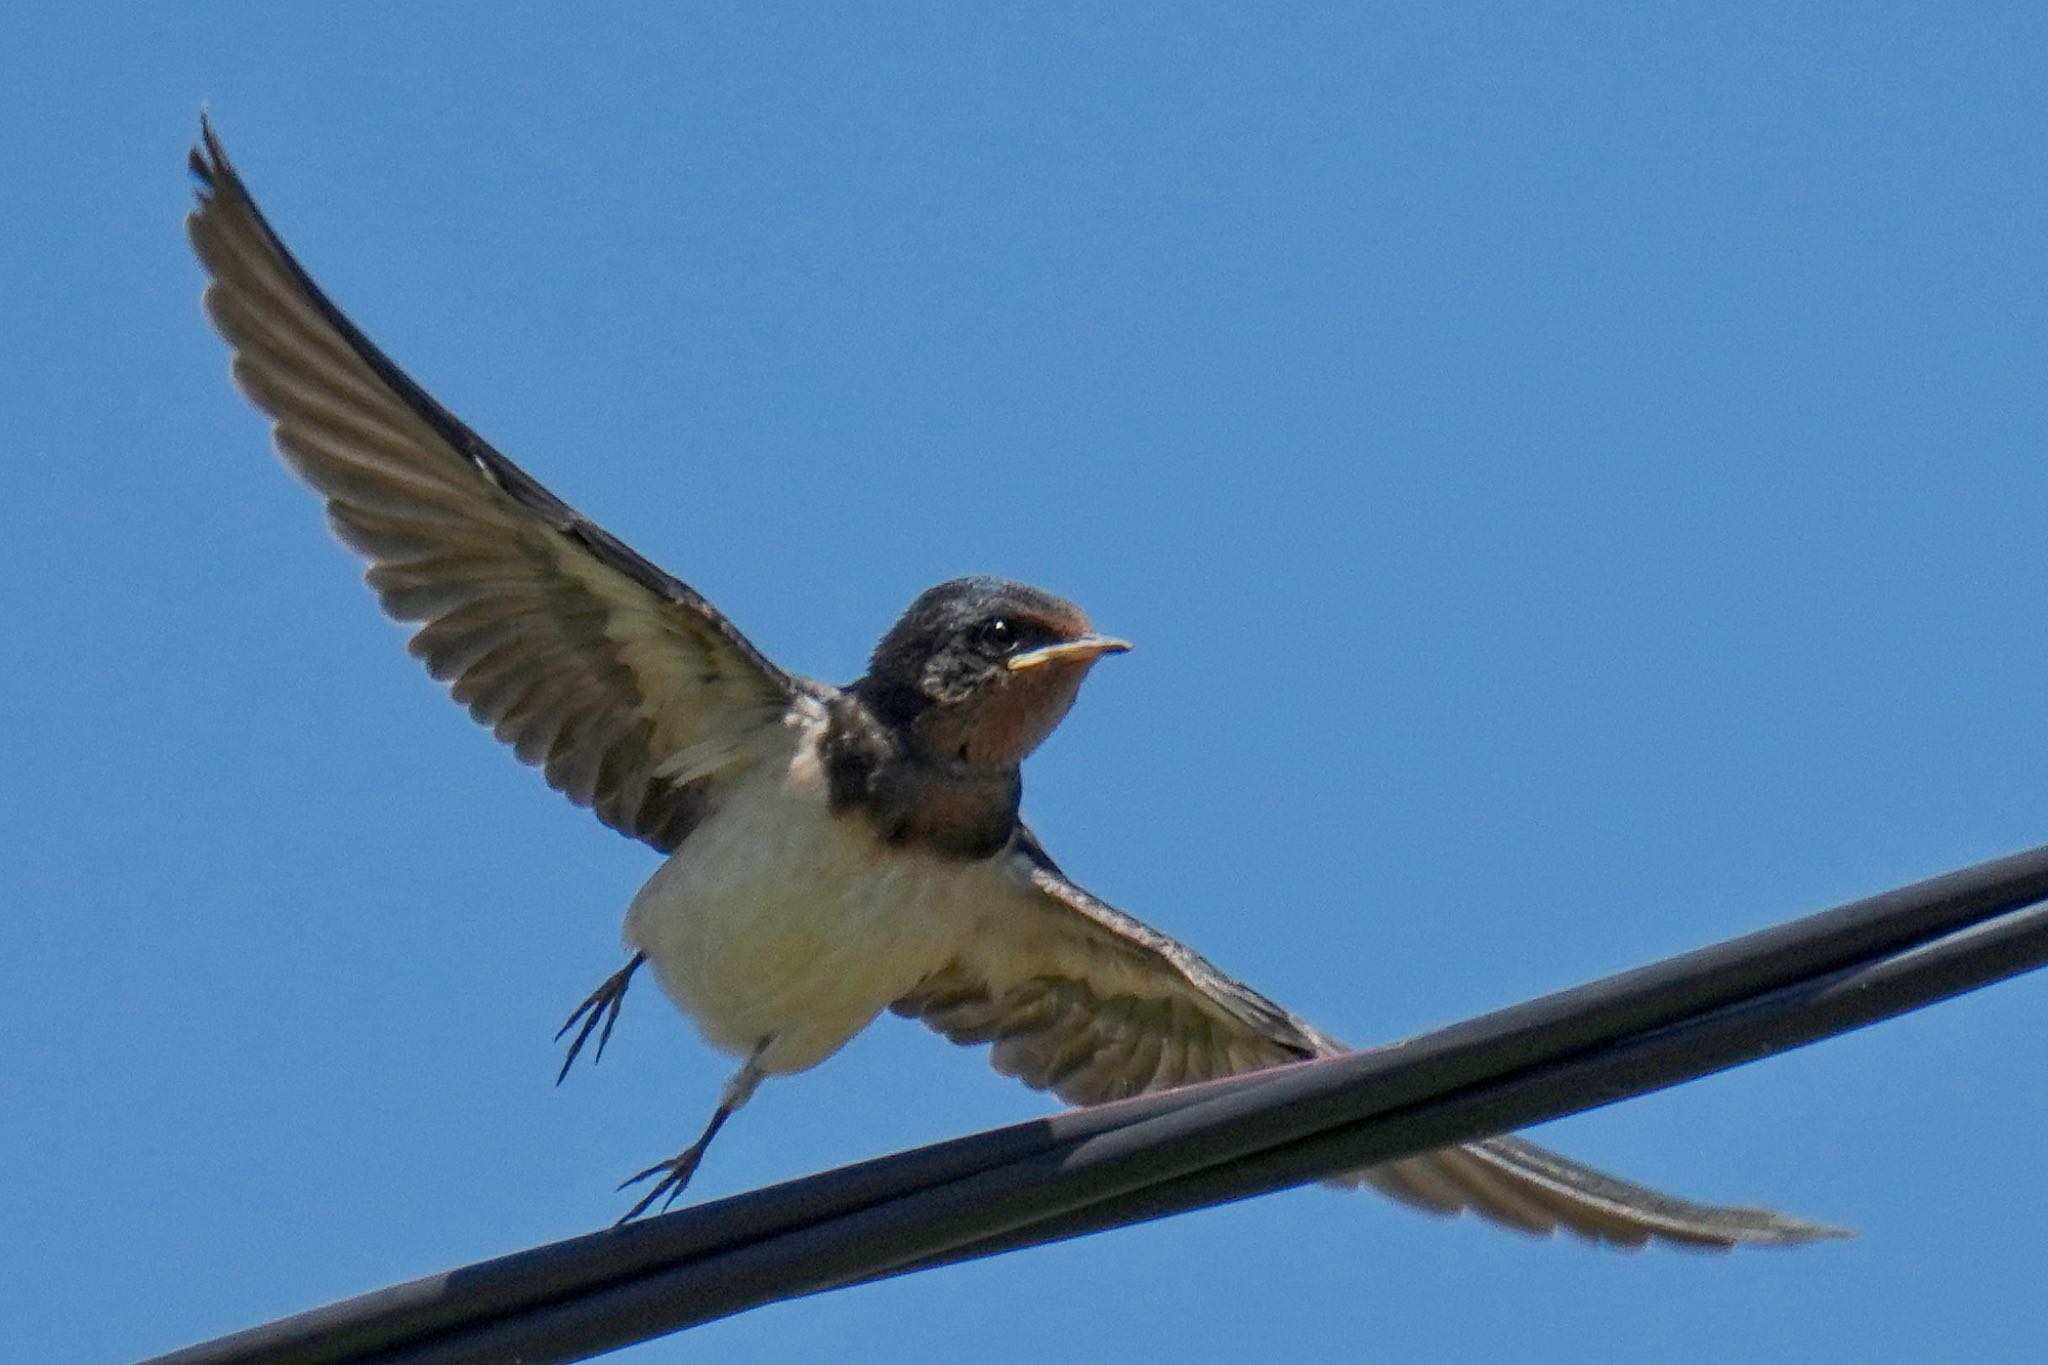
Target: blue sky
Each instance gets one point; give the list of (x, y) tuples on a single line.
[(1574, 475)]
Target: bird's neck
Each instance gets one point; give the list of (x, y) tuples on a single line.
[(913, 782)]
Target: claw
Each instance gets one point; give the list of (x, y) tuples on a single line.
[(678, 1170), (600, 1006)]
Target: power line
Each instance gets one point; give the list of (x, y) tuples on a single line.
[(1091, 1170)]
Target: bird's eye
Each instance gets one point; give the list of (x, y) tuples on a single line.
[(996, 634)]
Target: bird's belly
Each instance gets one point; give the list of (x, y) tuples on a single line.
[(782, 926)]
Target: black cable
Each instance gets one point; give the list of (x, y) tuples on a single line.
[(1966, 960), (1090, 1170)]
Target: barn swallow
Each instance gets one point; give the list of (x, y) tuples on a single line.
[(830, 852)]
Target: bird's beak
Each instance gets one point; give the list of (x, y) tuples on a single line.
[(1087, 649)]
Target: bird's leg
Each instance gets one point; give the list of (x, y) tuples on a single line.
[(601, 1004), (675, 1173)]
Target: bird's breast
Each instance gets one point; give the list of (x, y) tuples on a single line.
[(780, 922)]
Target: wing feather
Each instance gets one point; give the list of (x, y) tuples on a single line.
[(1085, 1001), (625, 687)]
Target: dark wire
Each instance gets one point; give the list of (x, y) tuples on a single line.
[(1095, 1169)]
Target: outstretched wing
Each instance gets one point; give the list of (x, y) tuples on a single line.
[(1078, 998), (629, 690)]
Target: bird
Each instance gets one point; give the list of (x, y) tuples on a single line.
[(829, 852)]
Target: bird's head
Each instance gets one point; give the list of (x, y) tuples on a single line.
[(980, 670)]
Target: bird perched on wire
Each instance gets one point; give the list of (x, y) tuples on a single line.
[(831, 852)]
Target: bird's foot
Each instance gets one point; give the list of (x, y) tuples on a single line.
[(600, 1007), (675, 1175)]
